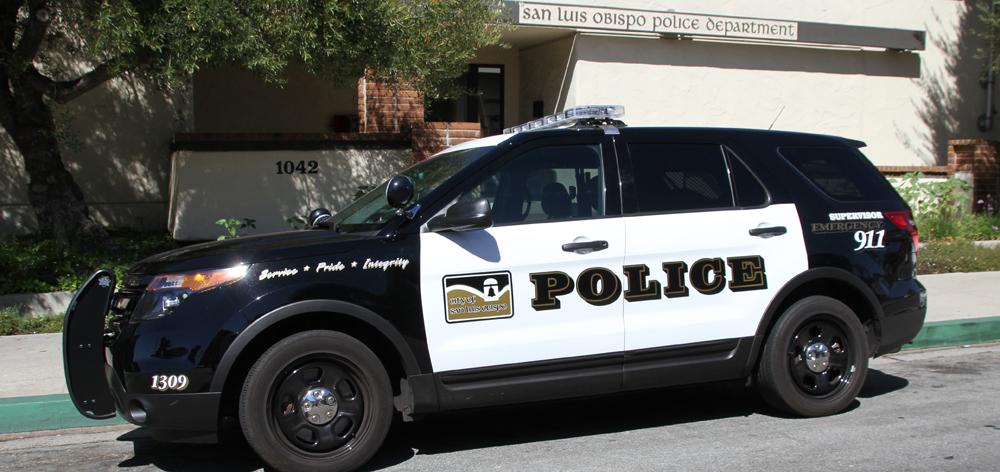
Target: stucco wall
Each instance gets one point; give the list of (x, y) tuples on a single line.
[(904, 105), (116, 142), (255, 190), (543, 76)]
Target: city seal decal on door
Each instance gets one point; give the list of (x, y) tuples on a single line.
[(471, 297)]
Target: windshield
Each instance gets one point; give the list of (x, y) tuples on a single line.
[(371, 212)]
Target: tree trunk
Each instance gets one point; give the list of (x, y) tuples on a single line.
[(57, 200)]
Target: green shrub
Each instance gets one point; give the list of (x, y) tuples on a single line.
[(956, 256), (34, 265), (12, 323)]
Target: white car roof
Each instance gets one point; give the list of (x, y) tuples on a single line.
[(477, 143)]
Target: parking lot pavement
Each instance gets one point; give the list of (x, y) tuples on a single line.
[(921, 410)]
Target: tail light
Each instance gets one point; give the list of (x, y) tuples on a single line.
[(904, 221)]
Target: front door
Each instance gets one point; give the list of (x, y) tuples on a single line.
[(512, 294)]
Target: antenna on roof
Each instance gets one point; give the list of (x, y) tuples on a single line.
[(776, 118)]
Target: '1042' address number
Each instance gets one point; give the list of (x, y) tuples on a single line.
[(297, 167)]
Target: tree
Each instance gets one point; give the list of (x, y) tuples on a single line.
[(44, 42)]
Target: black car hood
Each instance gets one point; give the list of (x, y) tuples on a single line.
[(249, 250)]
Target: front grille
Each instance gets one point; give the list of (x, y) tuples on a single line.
[(123, 304)]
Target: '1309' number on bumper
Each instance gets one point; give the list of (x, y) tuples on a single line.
[(163, 383)]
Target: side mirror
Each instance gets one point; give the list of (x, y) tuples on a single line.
[(399, 191), (318, 217), (464, 216)]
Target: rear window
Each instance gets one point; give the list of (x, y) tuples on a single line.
[(843, 174), (680, 177)]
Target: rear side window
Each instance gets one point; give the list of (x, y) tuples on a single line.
[(841, 173), (680, 177)]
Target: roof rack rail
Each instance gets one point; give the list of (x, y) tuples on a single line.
[(595, 115)]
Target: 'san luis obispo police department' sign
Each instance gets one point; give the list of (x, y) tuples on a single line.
[(623, 19)]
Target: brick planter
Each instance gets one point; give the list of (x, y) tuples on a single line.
[(429, 138), (976, 162)]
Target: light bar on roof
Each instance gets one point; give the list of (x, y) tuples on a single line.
[(570, 116)]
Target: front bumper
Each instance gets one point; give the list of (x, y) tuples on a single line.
[(180, 417)]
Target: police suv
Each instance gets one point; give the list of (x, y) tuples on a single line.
[(569, 256)]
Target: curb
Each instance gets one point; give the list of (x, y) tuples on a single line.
[(956, 332), (50, 412)]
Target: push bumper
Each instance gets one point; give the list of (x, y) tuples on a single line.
[(96, 389)]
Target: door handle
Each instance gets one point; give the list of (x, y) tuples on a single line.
[(585, 245), (768, 231)]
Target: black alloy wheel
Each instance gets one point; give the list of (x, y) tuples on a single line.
[(317, 400), (819, 357), (815, 360)]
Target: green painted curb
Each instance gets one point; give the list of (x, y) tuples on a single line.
[(956, 332), (46, 412), (37, 413)]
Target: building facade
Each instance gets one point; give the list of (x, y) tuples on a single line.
[(901, 75)]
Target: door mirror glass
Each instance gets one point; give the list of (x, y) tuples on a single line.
[(464, 216), (399, 191)]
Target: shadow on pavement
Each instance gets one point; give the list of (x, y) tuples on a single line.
[(511, 425)]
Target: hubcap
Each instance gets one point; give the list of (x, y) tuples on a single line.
[(319, 406), (817, 357)]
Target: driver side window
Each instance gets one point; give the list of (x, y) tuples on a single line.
[(553, 183)]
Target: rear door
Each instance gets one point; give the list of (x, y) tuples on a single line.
[(706, 252), (508, 295)]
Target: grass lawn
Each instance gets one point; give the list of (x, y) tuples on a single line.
[(942, 256)]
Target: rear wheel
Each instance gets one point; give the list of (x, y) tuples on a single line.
[(318, 400), (815, 360)]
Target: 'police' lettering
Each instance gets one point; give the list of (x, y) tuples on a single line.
[(704, 283), (600, 286), (748, 273), (548, 286), (640, 288), (675, 279)]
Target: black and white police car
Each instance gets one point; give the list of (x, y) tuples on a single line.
[(569, 256)]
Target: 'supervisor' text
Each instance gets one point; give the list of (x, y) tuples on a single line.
[(623, 19), (600, 286)]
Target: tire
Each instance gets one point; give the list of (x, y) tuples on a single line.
[(792, 375), (338, 434)]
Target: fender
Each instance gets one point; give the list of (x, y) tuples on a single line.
[(819, 273), (269, 319)]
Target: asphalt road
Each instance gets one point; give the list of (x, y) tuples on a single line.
[(929, 410)]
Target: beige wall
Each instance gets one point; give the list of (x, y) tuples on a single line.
[(543, 69), (116, 143), (254, 189), (904, 105), (228, 99)]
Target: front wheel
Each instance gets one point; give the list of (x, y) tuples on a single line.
[(317, 400), (815, 360)]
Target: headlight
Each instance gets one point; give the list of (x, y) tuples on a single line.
[(199, 281), (167, 291)]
